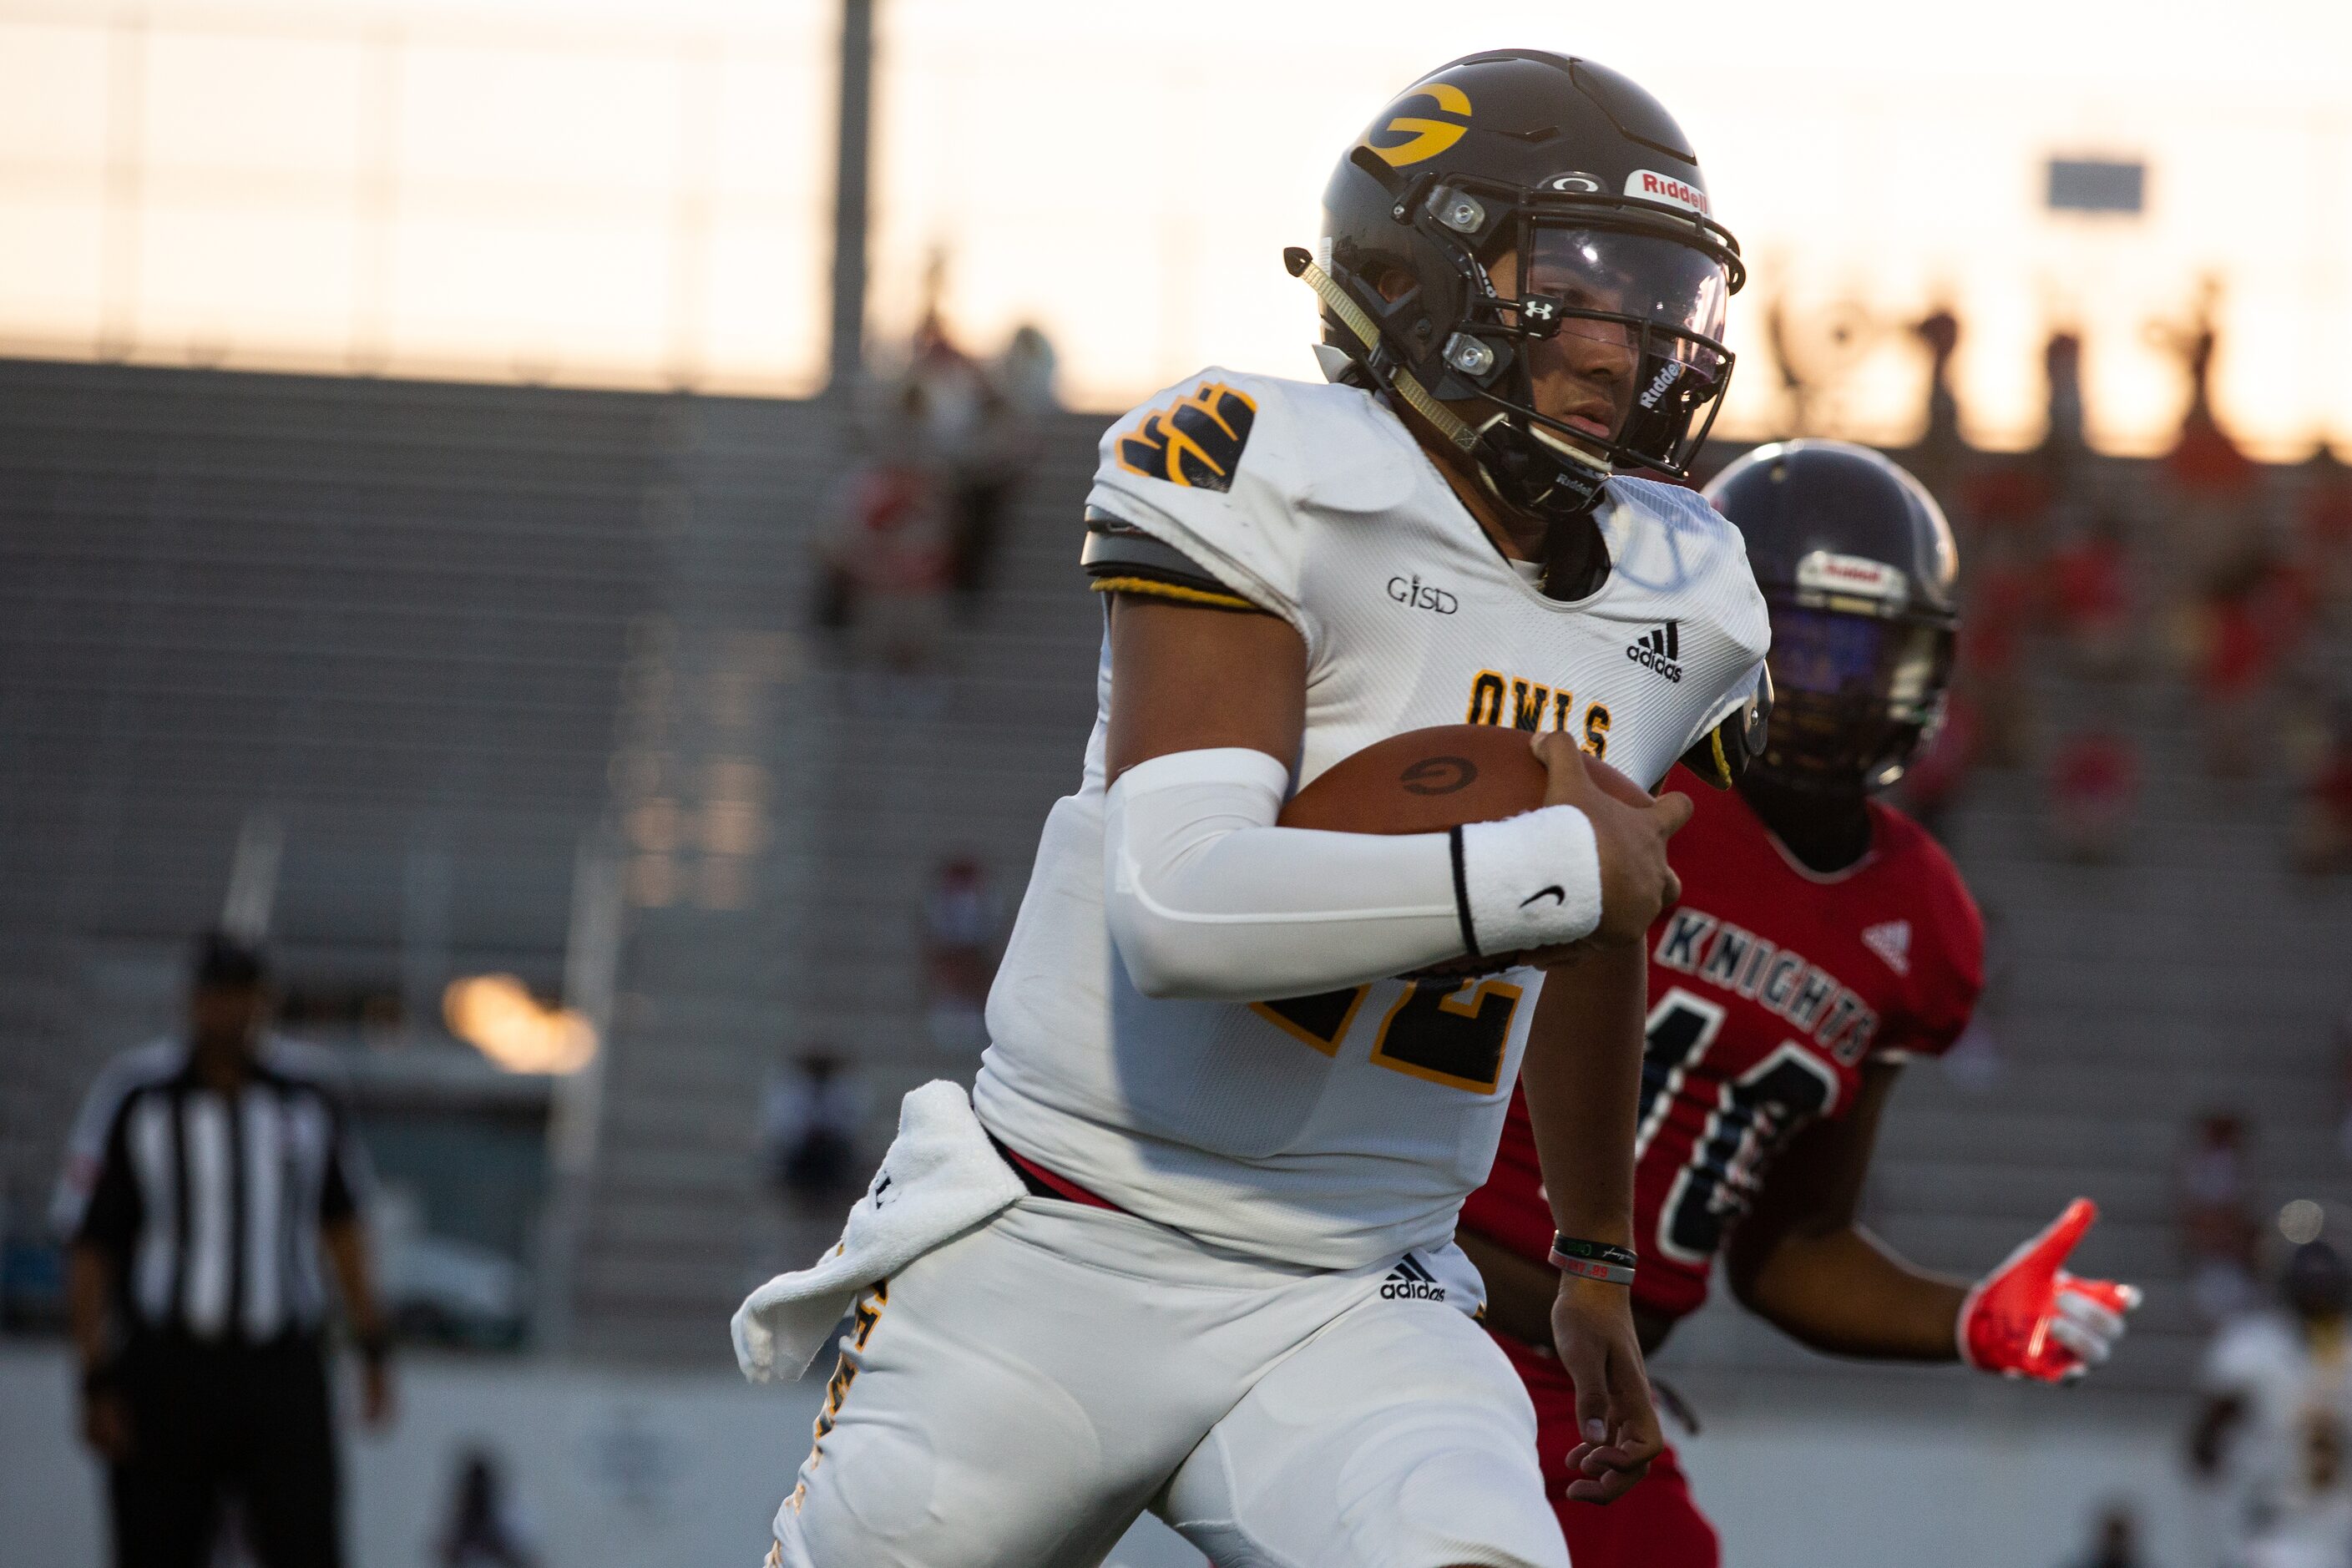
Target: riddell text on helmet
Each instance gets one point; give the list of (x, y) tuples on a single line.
[(1651, 186)]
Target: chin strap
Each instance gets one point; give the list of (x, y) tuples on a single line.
[(1564, 498), (1352, 316), (1564, 490)]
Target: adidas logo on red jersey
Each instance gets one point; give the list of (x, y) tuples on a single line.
[(1662, 650), (1891, 942)]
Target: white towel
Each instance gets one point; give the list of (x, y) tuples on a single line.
[(940, 1177)]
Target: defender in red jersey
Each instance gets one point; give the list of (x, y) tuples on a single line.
[(1822, 939)]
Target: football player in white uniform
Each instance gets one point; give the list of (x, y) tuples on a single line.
[(1223, 1287), (2277, 1421)]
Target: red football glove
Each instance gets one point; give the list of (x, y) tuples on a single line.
[(2030, 1318)]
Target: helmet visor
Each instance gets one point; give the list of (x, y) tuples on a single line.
[(1635, 356), (1831, 654), (1638, 276)]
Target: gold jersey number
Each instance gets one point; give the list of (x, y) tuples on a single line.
[(1449, 1033)]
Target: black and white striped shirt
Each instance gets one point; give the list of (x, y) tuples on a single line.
[(211, 1204)]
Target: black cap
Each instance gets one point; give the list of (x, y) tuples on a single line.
[(228, 963)]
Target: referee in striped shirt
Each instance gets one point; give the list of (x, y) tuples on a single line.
[(205, 1180)]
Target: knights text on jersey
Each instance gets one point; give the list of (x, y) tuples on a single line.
[(1334, 1131), (1770, 986)]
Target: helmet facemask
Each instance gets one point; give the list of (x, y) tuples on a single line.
[(1856, 696), (1618, 333)]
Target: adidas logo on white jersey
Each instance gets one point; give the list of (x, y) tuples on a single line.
[(1662, 650), (1409, 1281), (1891, 942)]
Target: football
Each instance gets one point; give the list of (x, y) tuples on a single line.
[(1426, 781), (1435, 779)]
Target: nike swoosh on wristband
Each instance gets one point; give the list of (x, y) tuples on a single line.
[(1559, 895)]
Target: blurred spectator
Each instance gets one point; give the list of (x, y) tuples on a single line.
[(2009, 496), (883, 566), (2214, 1195), (1025, 373), (987, 470), (955, 439), (2090, 578), (2322, 823), (2196, 345), (2325, 533), (2063, 445), (945, 394), (977, 428), (2247, 618), (810, 1131), (2275, 1421), (2093, 787), (960, 926), (2213, 490), (1941, 447), (957, 420), (485, 1528), (2212, 484), (2116, 1543), (202, 1374), (1994, 618)]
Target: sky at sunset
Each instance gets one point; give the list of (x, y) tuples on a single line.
[(616, 192)]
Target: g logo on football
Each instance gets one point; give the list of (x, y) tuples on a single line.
[(1424, 138), (1439, 775)]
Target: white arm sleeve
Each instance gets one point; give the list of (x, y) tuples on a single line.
[(1207, 899)]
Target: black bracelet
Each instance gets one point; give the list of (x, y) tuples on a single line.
[(1593, 1259)]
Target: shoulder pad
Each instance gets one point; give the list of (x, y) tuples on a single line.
[(1224, 467), (1669, 538), (1681, 516), (1123, 559), (1255, 437)]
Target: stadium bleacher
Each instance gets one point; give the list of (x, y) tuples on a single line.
[(473, 619)]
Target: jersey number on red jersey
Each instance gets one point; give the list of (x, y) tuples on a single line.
[(1786, 1089)]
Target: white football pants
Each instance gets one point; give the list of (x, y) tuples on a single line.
[(1017, 1398)]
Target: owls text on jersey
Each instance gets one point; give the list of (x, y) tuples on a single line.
[(1336, 1129), (1770, 987)]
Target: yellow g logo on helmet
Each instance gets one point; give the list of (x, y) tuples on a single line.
[(1424, 138)]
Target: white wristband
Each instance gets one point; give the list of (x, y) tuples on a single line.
[(1531, 881)]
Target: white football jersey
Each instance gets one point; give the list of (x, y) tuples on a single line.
[(2291, 1458), (1334, 1131)]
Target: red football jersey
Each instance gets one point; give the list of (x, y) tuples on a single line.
[(1770, 985)]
